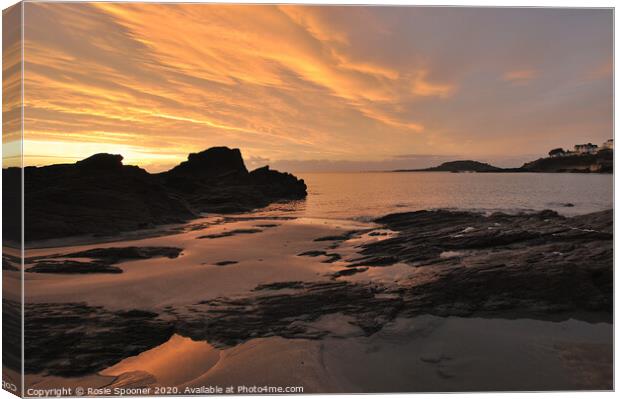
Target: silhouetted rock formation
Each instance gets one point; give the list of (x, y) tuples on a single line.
[(216, 180), (99, 195), (101, 162), (216, 162)]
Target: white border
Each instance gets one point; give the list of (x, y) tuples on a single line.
[(480, 3)]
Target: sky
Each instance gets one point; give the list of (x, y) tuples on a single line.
[(313, 87)]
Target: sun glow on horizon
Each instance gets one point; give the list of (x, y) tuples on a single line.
[(40, 153)]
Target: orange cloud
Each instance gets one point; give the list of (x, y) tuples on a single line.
[(206, 75), (602, 71), (520, 76), (11, 87), (280, 82), (423, 87)]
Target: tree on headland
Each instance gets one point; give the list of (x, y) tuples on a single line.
[(556, 152)]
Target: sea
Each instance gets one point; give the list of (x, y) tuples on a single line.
[(366, 195)]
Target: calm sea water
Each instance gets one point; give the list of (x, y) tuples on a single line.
[(367, 195)]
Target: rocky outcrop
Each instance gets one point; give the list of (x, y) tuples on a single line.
[(216, 180), (227, 322), (100, 260), (74, 339), (538, 265), (215, 163), (97, 196), (101, 196)]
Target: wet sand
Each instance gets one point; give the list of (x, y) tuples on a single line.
[(419, 353), (423, 354), (264, 257)]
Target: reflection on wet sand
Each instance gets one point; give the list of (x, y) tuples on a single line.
[(275, 317), (171, 364)]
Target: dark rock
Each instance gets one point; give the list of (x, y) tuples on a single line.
[(277, 185), (227, 322), (114, 255), (375, 261), (332, 257), (101, 162), (226, 262), (313, 253), (102, 259), (72, 267), (279, 285), (349, 272), (12, 207), (342, 237), (11, 334), (216, 180), (136, 313), (74, 339), (231, 233), (69, 200), (214, 163), (10, 262), (238, 218), (101, 196), (532, 264)]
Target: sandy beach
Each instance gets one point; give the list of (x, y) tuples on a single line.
[(320, 346)]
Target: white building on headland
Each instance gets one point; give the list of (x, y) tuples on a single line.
[(582, 149), (586, 148)]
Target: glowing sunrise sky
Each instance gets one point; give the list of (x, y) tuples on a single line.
[(372, 87)]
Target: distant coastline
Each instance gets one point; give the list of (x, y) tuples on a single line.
[(599, 162)]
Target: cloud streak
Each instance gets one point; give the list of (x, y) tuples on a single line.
[(521, 76), (311, 82)]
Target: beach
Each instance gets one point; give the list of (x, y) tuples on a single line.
[(273, 299)]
